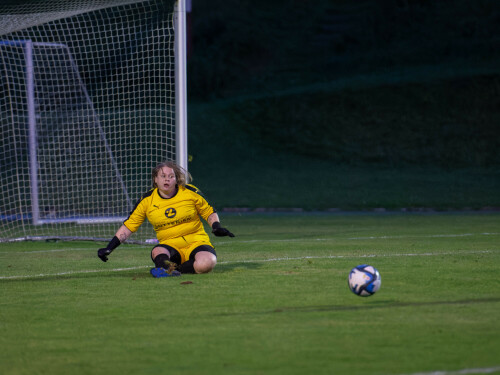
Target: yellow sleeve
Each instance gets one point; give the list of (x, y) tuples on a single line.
[(202, 206), (138, 214)]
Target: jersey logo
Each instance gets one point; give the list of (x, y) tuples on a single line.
[(170, 212)]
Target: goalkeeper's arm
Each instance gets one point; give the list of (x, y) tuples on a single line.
[(121, 236)]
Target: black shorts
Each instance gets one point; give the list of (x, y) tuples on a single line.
[(176, 257)]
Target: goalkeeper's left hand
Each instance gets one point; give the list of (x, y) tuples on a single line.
[(219, 231), (103, 254)]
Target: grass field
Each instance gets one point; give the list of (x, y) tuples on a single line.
[(277, 302)]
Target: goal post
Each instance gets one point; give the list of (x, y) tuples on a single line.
[(181, 83), (61, 53), (93, 96)]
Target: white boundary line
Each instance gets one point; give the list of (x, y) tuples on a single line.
[(486, 370), (425, 236), (363, 238), (17, 253), (42, 251), (70, 273), (284, 259), (130, 246), (360, 256)]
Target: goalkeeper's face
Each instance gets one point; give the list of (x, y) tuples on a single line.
[(166, 181)]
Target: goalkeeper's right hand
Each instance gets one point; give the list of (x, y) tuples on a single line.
[(105, 251)]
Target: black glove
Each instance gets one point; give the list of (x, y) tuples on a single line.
[(101, 253), (105, 251), (219, 231)]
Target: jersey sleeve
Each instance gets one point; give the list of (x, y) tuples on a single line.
[(138, 214), (202, 206)]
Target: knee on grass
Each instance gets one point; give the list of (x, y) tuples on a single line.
[(204, 262)]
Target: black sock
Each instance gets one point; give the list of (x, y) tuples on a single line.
[(160, 260), (188, 267)]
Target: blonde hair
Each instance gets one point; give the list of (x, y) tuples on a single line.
[(182, 176)]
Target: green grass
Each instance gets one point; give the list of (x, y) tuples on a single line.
[(277, 302)]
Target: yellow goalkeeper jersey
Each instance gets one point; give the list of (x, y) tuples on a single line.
[(173, 218)]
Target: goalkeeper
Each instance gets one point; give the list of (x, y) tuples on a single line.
[(174, 208)]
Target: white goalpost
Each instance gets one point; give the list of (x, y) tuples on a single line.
[(93, 95)]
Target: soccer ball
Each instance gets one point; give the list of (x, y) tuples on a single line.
[(364, 280)]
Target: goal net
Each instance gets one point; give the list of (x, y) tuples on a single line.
[(92, 98)]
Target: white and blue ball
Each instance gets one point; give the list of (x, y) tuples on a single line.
[(364, 280)]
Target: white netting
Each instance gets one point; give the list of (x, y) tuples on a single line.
[(87, 108), (19, 15)]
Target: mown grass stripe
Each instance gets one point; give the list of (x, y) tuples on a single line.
[(486, 370), (281, 259)]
